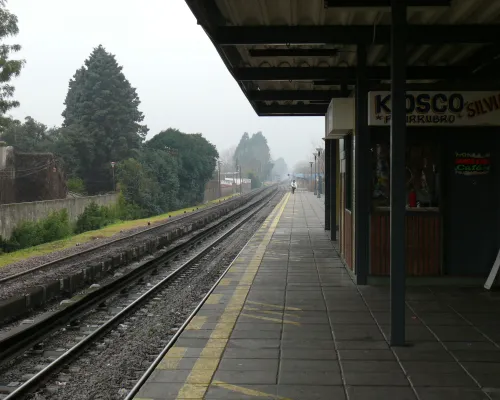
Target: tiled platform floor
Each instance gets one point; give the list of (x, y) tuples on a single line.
[(287, 322)]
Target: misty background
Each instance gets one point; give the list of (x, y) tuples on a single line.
[(180, 79)]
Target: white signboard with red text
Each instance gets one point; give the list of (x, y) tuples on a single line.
[(438, 108)]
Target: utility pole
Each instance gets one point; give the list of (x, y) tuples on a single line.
[(241, 183), (113, 171), (311, 176), (218, 174), (315, 193)]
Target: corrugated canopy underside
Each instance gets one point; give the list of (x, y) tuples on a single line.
[(283, 52)]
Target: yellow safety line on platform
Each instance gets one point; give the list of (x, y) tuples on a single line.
[(269, 312), (214, 298), (246, 391), (176, 352), (196, 323), (204, 368), (274, 306), (279, 321)]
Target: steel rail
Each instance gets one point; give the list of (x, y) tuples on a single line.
[(34, 382), (142, 380), (11, 345), (113, 242)]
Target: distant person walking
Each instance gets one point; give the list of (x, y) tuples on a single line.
[(294, 186)]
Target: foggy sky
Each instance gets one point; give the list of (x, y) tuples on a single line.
[(166, 56)]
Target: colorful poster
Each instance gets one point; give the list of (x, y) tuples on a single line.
[(472, 164)]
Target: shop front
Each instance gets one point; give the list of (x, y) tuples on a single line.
[(452, 184)]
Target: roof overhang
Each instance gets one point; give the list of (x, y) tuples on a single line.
[(291, 58)]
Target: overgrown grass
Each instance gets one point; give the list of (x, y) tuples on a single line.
[(108, 231)]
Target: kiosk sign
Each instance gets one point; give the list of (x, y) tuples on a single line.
[(438, 108)]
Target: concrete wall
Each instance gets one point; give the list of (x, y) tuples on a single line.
[(13, 214), (4, 152), (212, 190)]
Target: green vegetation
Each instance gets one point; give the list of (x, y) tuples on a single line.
[(9, 68), (103, 125), (94, 217), (73, 240), (254, 156), (28, 234), (280, 169), (102, 147), (76, 185), (57, 226), (101, 104)]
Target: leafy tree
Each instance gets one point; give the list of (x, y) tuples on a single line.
[(76, 148), (162, 167), (302, 167), (30, 136), (8, 68), (254, 156), (102, 106), (76, 185), (196, 159), (226, 158), (280, 168), (5, 123), (138, 187), (256, 182)]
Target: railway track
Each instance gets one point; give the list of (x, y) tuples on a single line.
[(120, 299), (25, 293), (114, 242)]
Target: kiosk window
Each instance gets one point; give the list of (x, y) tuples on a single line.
[(422, 174)]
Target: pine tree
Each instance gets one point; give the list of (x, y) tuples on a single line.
[(103, 105), (8, 68)]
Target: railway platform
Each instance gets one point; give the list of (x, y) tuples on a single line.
[(287, 322)]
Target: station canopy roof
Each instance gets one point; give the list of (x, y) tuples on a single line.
[(290, 57)]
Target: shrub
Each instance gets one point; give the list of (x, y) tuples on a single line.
[(76, 185), (90, 219), (56, 226), (95, 217), (28, 234), (5, 245), (126, 211)]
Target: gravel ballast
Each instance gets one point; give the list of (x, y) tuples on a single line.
[(110, 369)]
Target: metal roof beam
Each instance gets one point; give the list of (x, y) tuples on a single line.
[(297, 110), (336, 82), (354, 34), (343, 73), (445, 86), (293, 95), (293, 52), (383, 3)]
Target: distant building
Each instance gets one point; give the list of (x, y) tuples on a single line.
[(26, 177)]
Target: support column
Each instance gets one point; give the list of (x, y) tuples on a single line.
[(398, 185), (328, 190), (362, 172), (333, 187)]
